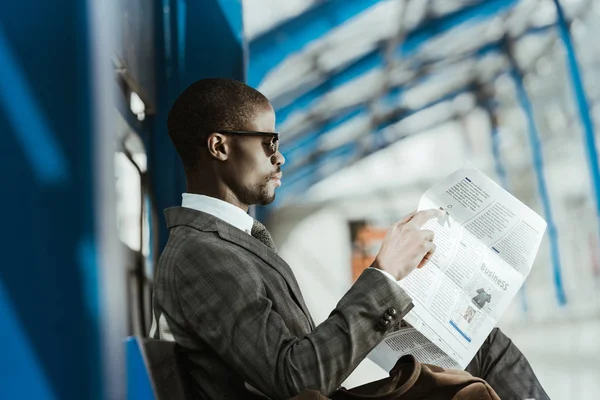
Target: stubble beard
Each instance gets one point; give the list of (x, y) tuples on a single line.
[(266, 196), (260, 194)]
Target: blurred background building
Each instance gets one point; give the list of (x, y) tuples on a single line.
[(376, 102)]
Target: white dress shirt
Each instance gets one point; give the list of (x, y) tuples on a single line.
[(229, 213), (221, 209)]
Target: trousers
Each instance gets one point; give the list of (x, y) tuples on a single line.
[(502, 365)]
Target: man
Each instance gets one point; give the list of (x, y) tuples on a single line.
[(226, 297)]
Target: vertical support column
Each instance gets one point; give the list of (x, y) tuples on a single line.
[(50, 300), (102, 25), (485, 103), (582, 104), (498, 164), (538, 164), (194, 40), (166, 179), (501, 172)]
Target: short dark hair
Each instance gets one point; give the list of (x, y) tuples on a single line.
[(207, 106)]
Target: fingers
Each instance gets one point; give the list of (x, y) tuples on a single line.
[(423, 262), (407, 218), (421, 217), (430, 247), (427, 235)]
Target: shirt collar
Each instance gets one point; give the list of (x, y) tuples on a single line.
[(221, 209)]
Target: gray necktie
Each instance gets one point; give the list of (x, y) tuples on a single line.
[(261, 233)]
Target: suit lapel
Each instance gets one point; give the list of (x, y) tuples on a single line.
[(208, 223), (248, 242)]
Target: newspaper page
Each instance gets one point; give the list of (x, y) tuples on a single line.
[(486, 243)]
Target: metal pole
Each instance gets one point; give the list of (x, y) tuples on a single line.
[(582, 103), (484, 101), (501, 172), (538, 164)]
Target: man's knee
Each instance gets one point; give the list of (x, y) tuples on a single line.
[(498, 337)]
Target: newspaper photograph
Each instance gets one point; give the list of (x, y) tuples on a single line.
[(486, 242)]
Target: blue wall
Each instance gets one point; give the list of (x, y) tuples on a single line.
[(48, 287), (196, 39), (49, 306)]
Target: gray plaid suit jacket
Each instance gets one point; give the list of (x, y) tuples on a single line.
[(235, 308)]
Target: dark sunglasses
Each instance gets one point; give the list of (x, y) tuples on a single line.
[(273, 145)]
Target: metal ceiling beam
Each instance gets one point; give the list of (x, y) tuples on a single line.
[(434, 27), (270, 48), (308, 143), (359, 67), (391, 97), (358, 110), (311, 170), (304, 176), (413, 41)]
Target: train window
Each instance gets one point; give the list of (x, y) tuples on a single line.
[(133, 210), (129, 205), (130, 171)]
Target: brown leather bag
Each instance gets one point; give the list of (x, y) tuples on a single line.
[(411, 380), (310, 395)]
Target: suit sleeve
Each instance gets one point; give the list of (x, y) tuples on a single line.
[(225, 301)]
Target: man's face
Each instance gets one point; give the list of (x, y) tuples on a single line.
[(253, 170)]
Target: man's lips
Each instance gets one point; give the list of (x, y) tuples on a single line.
[(277, 178)]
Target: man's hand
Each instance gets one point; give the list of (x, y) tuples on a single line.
[(406, 246)]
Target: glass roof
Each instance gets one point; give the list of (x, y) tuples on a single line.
[(402, 67)]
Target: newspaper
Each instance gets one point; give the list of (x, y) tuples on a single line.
[(486, 243)]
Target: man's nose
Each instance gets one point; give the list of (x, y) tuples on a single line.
[(278, 158)]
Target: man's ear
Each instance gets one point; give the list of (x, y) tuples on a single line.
[(218, 146)]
